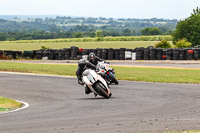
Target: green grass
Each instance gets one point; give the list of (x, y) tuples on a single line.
[(59, 45), (39, 68), (8, 104), (167, 75)]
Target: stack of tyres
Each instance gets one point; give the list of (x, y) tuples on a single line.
[(164, 54), (110, 54), (85, 53), (104, 54), (99, 52), (39, 54), (26, 54), (60, 54), (159, 53), (8, 54), (134, 54), (34, 54), (19, 54), (152, 54), (74, 53), (146, 54), (128, 54), (116, 54), (176, 53), (51, 54), (79, 56), (190, 54), (93, 51), (139, 53), (169, 54), (182, 55), (122, 53), (56, 54), (67, 54), (45, 54), (1, 54), (197, 54), (80, 51)]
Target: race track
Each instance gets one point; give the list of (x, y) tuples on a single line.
[(59, 105)]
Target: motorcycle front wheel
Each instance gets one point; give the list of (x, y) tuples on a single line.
[(100, 89), (112, 78)]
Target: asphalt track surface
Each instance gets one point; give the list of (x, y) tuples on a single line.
[(59, 105)]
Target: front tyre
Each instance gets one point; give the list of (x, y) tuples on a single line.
[(100, 89), (112, 78)]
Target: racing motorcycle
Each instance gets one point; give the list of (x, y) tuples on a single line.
[(104, 69), (96, 83)]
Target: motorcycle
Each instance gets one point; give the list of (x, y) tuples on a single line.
[(96, 83), (104, 69)]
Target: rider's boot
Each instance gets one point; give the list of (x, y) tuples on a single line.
[(87, 90)]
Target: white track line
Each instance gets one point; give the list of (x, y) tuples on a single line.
[(25, 105)]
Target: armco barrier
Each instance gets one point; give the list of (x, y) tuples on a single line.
[(75, 53)]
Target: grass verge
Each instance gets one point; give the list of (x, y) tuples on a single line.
[(168, 75), (8, 104)]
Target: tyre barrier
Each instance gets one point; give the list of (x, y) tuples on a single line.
[(75, 53), (6, 54)]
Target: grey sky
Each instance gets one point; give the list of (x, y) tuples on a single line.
[(168, 9)]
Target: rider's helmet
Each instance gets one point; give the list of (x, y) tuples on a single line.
[(81, 63), (91, 57)]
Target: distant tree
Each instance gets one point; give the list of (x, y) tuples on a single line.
[(128, 32), (151, 31), (90, 34), (98, 33), (183, 43), (2, 37), (189, 29), (54, 29), (163, 44), (77, 35)]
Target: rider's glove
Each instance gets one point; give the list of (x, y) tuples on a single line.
[(80, 82)]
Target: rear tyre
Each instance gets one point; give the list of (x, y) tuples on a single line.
[(99, 88), (112, 78)]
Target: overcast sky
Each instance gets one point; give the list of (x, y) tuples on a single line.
[(168, 9)]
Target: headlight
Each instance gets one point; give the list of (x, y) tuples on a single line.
[(91, 79)]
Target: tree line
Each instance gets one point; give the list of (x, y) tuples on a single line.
[(17, 28), (35, 35)]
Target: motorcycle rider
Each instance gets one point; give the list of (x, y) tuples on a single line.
[(82, 66), (94, 59)]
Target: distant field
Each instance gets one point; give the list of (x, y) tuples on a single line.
[(59, 45)]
